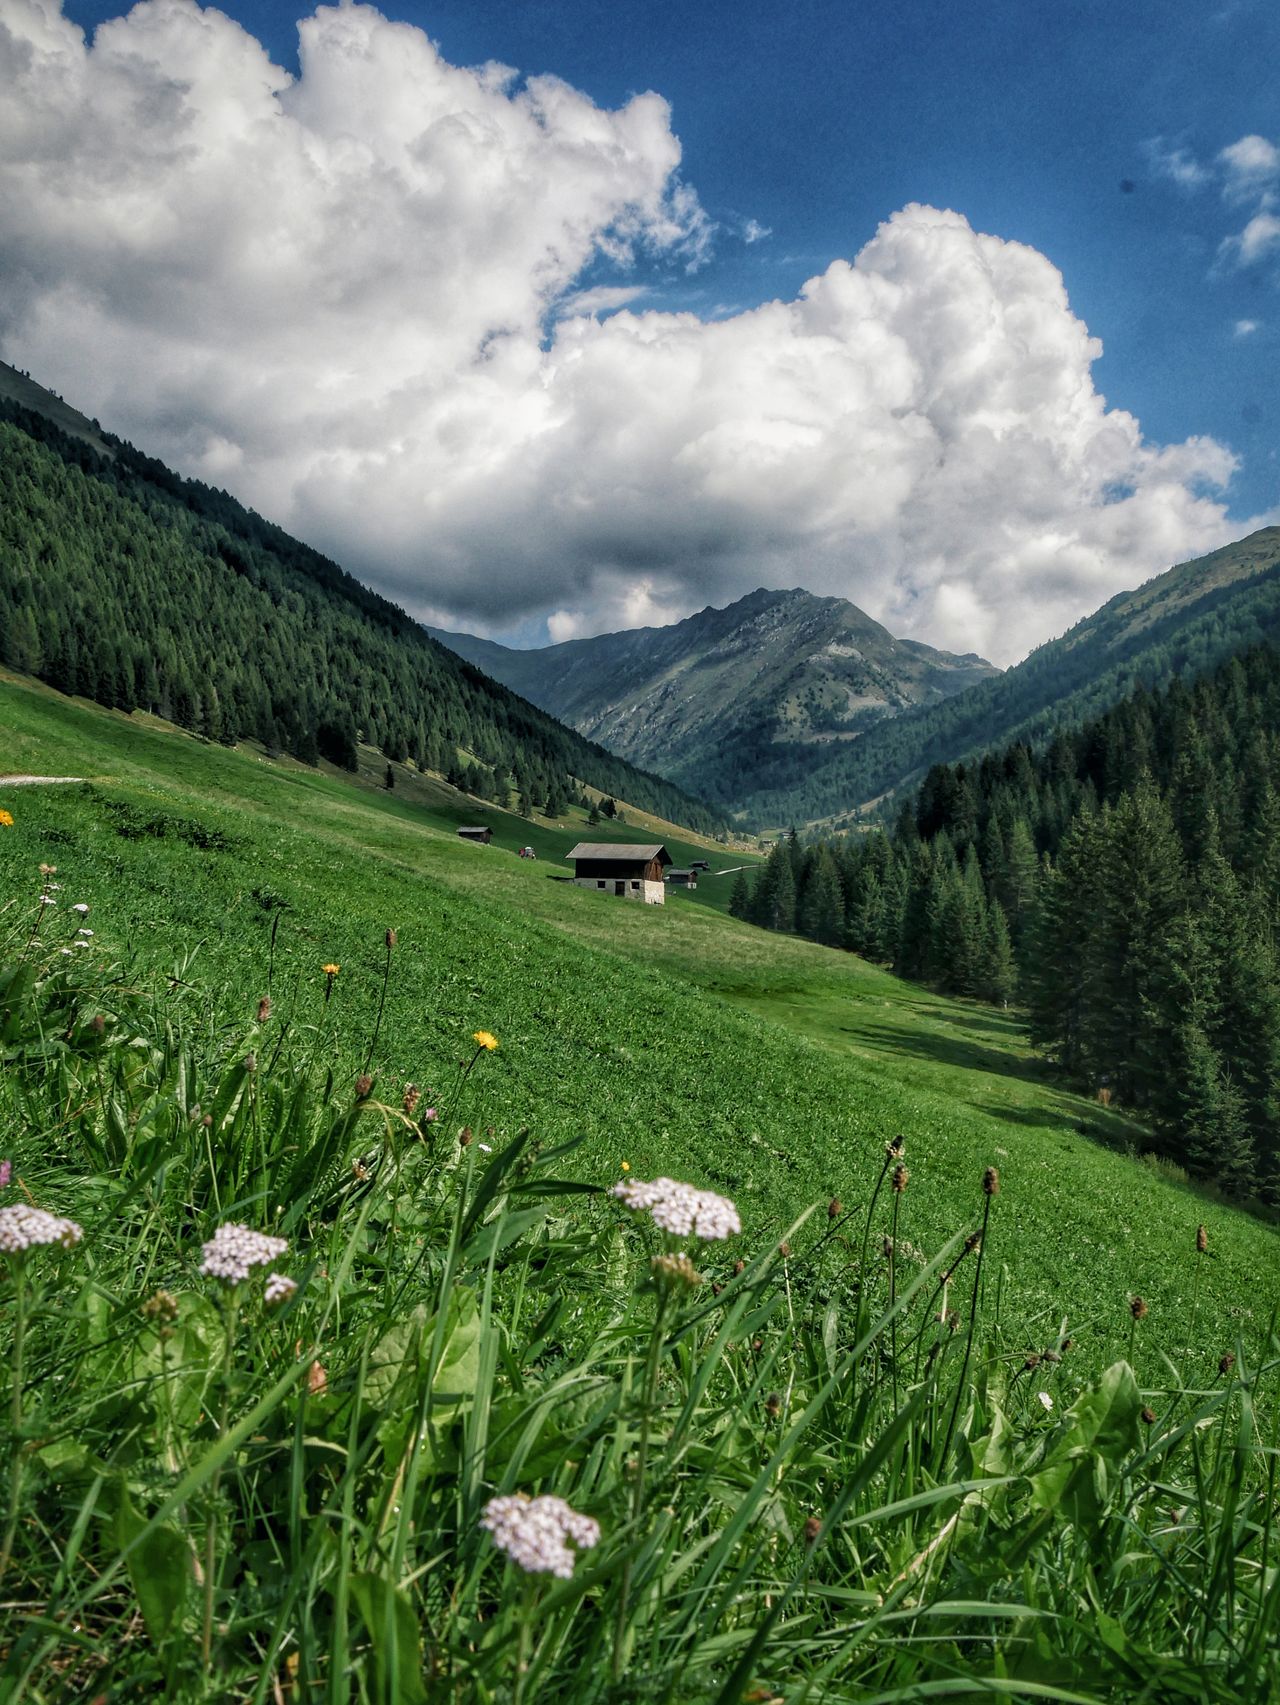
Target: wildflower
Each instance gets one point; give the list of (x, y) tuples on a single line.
[(486, 1148), (1148, 1414), (894, 1146), (251, 1062), (670, 1271), (773, 1405), (6, 819), (886, 1248), (1032, 1361), (1046, 1402), (899, 1179), (991, 1181), (161, 1306), (1137, 1308), (429, 1116), (23, 1227), (359, 1171), (86, 933), (66, 953), (486, 1040), (1202, 1239), (234, 1251), (464, 1137), (317, 1379), (364, 1084), (834, 1208), (81, 908), (1225, 1365), (812, 1531), (412, 1096), (79, 942), (784, 1249), (534, 1532), (331, 971), (6, 1173), (680, 1209), (626, 1166), (391, 938), (278, 1289), (48, 870), (264, 1009)]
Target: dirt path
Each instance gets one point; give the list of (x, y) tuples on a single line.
[(34, 781)]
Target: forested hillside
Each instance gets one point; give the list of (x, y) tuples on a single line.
[(1181, 623), (1124, 881), (124, 583)]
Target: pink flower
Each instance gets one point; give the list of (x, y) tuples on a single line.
[(6, 1173)]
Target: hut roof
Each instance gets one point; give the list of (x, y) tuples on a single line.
[(620, 850)]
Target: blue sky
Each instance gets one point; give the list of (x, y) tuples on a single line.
[(1093, 134)]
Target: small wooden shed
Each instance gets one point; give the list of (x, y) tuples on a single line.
[(473, 833), (626, 871), (683, 878)]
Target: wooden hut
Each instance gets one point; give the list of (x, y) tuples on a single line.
[(616, 868), (683, 878), (473, 833)]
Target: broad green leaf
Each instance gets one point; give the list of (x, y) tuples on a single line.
[(393, 1629)]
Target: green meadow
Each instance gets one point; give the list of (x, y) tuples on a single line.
[(958, 1422), (679, 1039)]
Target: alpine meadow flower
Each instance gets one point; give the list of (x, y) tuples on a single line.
[(234, 1251), (23, 1227), (278, 1289), (679, 1208), (6, 1173), (6, 819), (81, 908), (1046, 1401), (533, 1532), (485, 1039)]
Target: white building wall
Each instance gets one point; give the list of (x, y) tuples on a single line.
[(651, 893)]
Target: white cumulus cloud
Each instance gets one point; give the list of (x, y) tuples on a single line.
[(357, 299)]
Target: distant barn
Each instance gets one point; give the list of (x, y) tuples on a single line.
[(629, 872), (484, 836), (683, 878)]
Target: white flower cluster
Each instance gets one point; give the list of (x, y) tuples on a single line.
[(234, 1251), (533, 1531), (278, 1289), (23, 1227), (680, 1209)]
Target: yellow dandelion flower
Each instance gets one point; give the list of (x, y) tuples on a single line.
[(485, 1039), (6, 819), (331, 970), (626, 1166)]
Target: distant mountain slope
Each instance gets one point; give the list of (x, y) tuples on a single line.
[(122, 582), (1182, 622), (22, 390), (698, 701)]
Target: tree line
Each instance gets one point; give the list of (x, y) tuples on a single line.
[(126, 584), (1122, 882)]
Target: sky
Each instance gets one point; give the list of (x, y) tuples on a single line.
[(556, 317)]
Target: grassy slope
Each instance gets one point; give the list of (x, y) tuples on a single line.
[(676, 1039)]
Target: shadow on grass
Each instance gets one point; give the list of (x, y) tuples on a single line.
[(948, 1050)]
